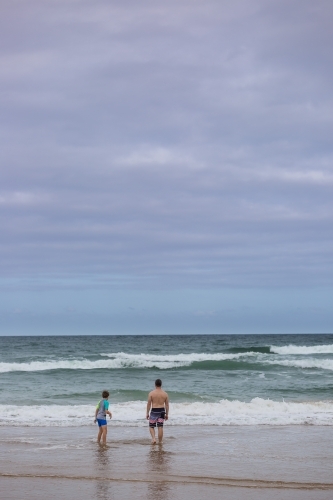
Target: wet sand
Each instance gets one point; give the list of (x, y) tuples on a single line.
[(223, 462)]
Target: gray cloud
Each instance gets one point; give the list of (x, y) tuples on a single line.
[(167, 144)]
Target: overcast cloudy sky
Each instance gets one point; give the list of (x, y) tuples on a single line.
[(166, 166)]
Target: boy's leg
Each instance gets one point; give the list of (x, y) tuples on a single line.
[(105, 431), (100, 432)]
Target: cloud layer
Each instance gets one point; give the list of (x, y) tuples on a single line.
[(167, 144)]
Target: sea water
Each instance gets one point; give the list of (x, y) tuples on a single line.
[(211, 379)]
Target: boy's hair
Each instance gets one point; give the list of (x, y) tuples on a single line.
[(158, 382), (105, 394)]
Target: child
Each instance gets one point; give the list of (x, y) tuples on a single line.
[(100, 416)]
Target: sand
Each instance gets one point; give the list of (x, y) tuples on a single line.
[(255, 462)]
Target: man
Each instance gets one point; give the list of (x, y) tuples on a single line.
[(158, 406)]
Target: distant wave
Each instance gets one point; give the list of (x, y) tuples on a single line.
[(207, 361), (256, 349), (302, 349), (256, 412), (121, 360), (166, 361), (69, 364), (322, 364)]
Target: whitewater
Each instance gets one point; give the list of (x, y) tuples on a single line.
[(256, 412), (119, 360)]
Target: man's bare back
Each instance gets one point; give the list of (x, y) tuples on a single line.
[(158, 398)]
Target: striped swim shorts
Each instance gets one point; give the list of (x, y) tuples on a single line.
[(157, 417)]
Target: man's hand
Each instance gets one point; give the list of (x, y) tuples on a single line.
[(166, 417), (147, 417)]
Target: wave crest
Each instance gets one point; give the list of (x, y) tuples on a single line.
[(256, 412), (302, 349), (119, 360), (321, 364)]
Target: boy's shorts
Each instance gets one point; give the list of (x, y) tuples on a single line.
[(157, 417), (101, 422)]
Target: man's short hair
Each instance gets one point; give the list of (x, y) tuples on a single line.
[(158, 382), (105, 394)]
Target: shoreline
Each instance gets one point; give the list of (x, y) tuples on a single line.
[(221, 481)]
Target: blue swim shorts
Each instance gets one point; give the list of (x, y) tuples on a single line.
[(101, 422)]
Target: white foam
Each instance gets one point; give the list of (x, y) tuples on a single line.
[(322, 364), (256, 412), (166, 361), (119, 360), (302, 349), (68, 364)]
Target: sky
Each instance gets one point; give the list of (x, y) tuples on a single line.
[(166, 167)]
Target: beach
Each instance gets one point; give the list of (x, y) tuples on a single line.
[(257, 462), (251, 417)]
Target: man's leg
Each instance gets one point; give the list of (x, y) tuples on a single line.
[(160, 434), (152, 433)]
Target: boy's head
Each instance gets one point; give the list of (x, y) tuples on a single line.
[(158, 382), (105, 394)]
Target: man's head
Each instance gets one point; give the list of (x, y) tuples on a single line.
[(158, 382), (105, 394)]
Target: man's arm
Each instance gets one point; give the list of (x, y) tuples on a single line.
[(148, 405), (167, 407)]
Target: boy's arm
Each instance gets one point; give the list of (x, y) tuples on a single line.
[(96, 411), (107, 410), (148, 405), (167, 407)]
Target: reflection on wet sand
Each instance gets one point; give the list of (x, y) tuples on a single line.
[(102, 464), (158, 467)]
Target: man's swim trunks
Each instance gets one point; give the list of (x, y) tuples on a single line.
[(157, 417)]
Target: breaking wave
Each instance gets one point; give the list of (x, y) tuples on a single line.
[(288, 356), (257, 412), (119, 360), (300, 349), (322, 364)]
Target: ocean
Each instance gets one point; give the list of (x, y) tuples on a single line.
[(212, 380)]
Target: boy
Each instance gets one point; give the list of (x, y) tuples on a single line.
[(100, 417)]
